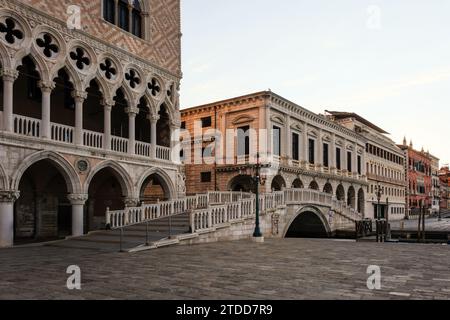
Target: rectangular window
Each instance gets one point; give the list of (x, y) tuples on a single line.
[(326, 163), (276, 141), (124, 20), (349, 161), (338, 159), (108, 11), (183, 125), (359, 165), (243, 143), (312, 151), (206, 122), (205, 177), (295, 148)]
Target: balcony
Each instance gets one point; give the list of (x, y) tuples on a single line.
[(31, 127)]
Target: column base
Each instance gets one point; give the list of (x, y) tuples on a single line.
[(258, 239)]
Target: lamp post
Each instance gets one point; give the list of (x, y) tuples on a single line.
[(257, 180), (379, 193)]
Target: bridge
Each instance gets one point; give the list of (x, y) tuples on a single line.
[(217, 216)]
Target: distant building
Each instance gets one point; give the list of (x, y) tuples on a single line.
[(304, 149), (419, 176), (385, 163), (435, 184), (444, 178)]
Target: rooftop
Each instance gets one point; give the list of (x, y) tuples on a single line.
[(345, 115)]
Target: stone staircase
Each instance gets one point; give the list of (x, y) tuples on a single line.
[(134, 237)]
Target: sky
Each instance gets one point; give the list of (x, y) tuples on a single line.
[(388, 61)]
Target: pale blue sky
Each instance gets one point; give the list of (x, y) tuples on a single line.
[(327, 54)]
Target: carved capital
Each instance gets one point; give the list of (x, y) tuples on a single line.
[(77, 199), (9, 196), (153, 118), (46, 86), (79, 96), (9, 75), (108, 103), (131, 202), (132, 110)]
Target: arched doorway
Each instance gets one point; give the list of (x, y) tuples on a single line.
[(340, 193), (314, 185), (328, 188), (154, 189), (297, 184), (307, 224), (278, 183), (43, 211), (242, 183), (361, 201), (351, 197), (106, 190)]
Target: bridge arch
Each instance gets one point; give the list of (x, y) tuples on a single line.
[(308, 222)]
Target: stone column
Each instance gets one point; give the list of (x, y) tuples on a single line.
[(305, 153), (77, 201), (153, 141), (9, 76), (79, 97), (332, 159), (46, 88), (116, 15), (355, 158), (344, 156), (107, 107), (319, 158), (175, 142), (132, 113), (7, 199), (288, 140)]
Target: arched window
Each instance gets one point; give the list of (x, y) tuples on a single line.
[(126, 14)]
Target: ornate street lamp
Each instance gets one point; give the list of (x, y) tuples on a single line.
[(379, 193), (257, 179)]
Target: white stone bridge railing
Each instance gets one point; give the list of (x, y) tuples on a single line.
[(216, 209), (150, 212)]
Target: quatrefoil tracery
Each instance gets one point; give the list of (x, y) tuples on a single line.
[(46, 43), (154, 87), (108, 68), (80, 58), (133, 78), (10, 30)]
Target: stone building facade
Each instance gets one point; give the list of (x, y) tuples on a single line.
[(86, 114), (385, 163), (297, 148), (419, 177), (435, 184), (444, 178)]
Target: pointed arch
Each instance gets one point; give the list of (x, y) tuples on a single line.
[(64, 167), (164, 178), (4, 181), (119, 172)]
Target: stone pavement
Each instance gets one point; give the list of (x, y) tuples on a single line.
[(277, 269)]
